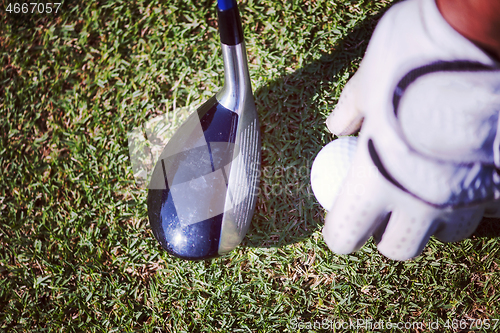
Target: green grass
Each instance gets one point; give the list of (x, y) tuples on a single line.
[(76, 251)]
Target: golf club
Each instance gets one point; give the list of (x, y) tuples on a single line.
[(203, 189)]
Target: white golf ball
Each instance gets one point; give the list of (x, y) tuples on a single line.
[(330, 168)]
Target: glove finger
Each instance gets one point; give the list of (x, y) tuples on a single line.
[(358, 209), (346, 118), (409, 228), (459, 224)]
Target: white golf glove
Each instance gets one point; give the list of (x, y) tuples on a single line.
[(427, 159)]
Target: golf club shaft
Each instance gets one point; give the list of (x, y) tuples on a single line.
[(237, 90)]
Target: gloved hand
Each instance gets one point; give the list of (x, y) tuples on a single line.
[(427, 160)]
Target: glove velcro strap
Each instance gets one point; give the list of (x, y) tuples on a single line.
[(450, 110)]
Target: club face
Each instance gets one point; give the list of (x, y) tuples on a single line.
[(243, 181), (202, 192)]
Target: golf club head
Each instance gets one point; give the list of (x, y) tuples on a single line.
[(203, 189)]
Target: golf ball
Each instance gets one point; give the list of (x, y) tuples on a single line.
[(330, 168)]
